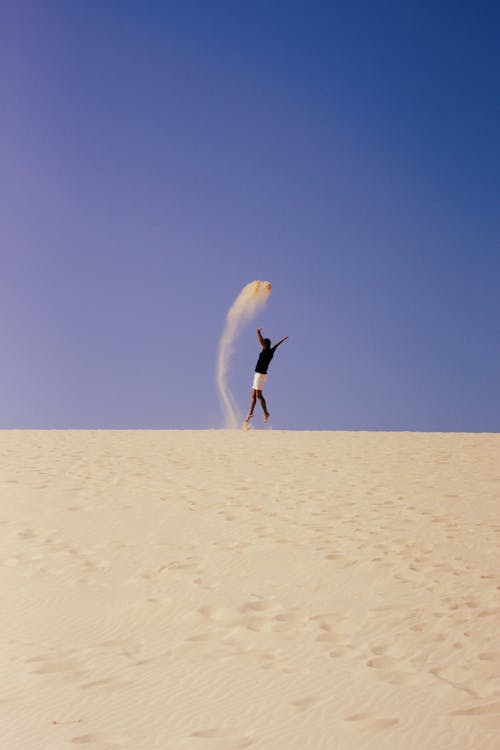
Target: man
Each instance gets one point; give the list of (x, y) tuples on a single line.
[(260, 376)]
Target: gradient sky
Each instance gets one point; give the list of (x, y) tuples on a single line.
[(158, 156)]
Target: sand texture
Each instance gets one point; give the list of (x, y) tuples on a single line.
[(215, 590)]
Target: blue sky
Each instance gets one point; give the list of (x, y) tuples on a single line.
[(159, 156)]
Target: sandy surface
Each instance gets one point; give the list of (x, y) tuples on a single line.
[(216, 590)]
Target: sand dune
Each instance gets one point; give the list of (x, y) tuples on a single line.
[(216, 590)]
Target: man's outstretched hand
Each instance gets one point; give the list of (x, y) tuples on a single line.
[(280, 341)]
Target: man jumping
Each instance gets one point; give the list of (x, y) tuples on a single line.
[(260, 376)]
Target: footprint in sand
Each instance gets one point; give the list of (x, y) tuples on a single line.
[(372, 722), (256, 606), (384, 666), (105, 740), (302, 704), (206, 583), (57, 666), (488, 708), (85, 739), (109, 683), (490, 656), (199, 637), (28, 534), (381, 662), (230, 738)]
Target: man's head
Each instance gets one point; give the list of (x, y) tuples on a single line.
[(267, 343)]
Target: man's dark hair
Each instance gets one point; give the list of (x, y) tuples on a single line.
[(267, 342)]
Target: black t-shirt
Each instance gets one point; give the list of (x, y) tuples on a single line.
[(265, 358)]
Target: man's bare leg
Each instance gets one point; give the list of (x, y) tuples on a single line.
[(253, 399), (263, 404)]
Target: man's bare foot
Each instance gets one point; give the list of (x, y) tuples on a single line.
[(266, 417), (248, 418)]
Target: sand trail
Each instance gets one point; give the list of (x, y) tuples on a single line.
[(275, 590)]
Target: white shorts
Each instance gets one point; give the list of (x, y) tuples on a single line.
[(258, 381)]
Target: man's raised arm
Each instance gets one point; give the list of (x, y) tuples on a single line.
[(261, 339), (280, 342)]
